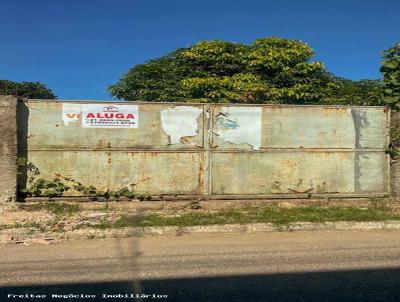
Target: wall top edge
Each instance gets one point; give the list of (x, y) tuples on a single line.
[(195, 104)]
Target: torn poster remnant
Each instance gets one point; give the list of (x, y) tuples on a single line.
[(239, 125), (180, 121), (71, 113)]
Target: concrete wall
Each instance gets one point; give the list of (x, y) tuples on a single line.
[(8, 148), (219, 151)]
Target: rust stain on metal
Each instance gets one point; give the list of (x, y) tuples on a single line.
[(201, 175), (134, 184), (297, 191)]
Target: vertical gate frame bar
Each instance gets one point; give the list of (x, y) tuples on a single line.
[(388, 175), (210, 131)]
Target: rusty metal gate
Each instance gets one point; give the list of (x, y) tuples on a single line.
[(212, 150)]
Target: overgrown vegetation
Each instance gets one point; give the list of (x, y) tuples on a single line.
[(274, 215), (391, 76), (270, 70), (60, 184), (71, 216), (61, 209), (122, 222), (17, 225), (394, 147), (31, 90), (56, 208), (377, 211)]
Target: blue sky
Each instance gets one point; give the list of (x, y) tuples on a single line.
[(79, 47)]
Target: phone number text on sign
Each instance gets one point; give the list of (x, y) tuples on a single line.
[(110, 116)]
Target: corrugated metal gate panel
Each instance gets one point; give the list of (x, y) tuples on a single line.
[(155, 172), (299, 127), (297, 172), (47, 129), (220, 150), (299, 149)]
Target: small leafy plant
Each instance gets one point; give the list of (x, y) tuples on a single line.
[(61, 184), (46, 188)]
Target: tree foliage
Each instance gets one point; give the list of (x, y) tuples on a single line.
[(270, 70), (357, 93), (391, 76), (31, 90)]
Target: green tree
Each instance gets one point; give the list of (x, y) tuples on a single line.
[(391, 76), (32, 90), (270, 70), (358, 93)]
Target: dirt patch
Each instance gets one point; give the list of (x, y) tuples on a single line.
[(46, 221), (9, 218)]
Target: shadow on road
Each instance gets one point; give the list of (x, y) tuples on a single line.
[(362, 285)]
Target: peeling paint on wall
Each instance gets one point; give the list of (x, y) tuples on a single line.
[(239, 125), (71, 113), (180, 121)]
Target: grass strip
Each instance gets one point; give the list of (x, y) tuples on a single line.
[(271, 214)]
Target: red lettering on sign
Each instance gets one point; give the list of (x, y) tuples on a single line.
[(106, 115)]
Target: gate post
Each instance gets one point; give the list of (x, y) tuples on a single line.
[(8, 148), (395, 161)]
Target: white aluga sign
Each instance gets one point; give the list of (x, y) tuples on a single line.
[(110, 116)]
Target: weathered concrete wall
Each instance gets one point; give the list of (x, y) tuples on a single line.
[(395, 164), (8, 148), (221, 151)]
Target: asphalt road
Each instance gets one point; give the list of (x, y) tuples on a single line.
[(298, 266)]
